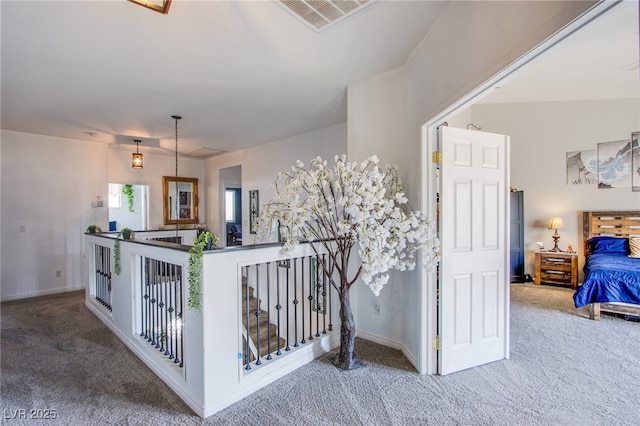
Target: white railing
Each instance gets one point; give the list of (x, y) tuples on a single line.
[(214, 346)]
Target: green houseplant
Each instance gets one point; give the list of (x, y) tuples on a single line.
[(204, 241), (93, 229), (127, 189), (127, 234)]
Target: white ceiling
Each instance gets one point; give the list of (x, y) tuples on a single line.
[(241, 73), (600, 61)]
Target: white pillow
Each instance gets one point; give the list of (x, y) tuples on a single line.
[(634, 245)]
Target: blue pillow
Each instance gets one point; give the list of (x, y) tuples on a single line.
[(611, 245)]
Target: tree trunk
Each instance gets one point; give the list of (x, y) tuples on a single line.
[(346, 359)]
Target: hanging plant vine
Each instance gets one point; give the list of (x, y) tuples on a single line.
[(195, 268), (127, 189), (116, 248), (116, 254)]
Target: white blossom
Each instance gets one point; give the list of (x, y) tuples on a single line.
[(361, 204)]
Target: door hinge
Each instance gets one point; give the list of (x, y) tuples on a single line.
[(436, 344), (436, 157)]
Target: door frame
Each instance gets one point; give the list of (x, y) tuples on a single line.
[(429, 171)]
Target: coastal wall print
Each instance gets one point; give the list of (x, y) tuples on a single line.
[(582, 167), (614, 164), (635, 161)]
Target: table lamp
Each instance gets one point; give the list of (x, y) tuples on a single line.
[(556, 223)]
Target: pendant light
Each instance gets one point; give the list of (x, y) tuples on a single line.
[(136, 157), (176, 118)]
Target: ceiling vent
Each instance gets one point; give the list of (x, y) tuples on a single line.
[(204, 152), (320, 14)]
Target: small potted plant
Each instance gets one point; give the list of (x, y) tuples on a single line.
[(127, 233), (93, 229)]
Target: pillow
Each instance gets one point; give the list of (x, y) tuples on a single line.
[(611, 245), (634, 246)]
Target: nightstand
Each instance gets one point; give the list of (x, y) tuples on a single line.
[(556, 268)]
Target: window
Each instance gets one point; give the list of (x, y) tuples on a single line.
[(230, 205), (115, 195)]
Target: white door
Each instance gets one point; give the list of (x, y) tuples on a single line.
[(474, 230)]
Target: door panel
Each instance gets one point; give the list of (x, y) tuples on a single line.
[(474, 234)]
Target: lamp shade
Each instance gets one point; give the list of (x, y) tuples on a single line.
[(556, 223)]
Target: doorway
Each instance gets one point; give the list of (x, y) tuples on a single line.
[(128, 207), (230, 202), (430, 340)]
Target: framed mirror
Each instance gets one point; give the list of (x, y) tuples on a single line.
[(180, 200)]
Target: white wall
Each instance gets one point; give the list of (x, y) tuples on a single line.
[(261, 165), (541, 135), (48, 185), (468, 44)]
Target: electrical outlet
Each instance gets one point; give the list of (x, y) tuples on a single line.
[(22, 228), (377, 309), (58, 273)]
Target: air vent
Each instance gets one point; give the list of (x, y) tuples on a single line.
[(319, 14), (204, 152)]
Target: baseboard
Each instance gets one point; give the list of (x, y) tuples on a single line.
[(37, 293), (391, 344)]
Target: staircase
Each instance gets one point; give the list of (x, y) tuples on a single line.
[(269, 341)]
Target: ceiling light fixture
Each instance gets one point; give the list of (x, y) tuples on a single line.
[(161, 6), (136, 157)]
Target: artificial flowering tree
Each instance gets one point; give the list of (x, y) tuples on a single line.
[(350, 206)]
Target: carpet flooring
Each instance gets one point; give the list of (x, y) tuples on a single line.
[(564, 370)]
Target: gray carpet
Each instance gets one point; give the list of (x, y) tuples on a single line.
[(564, 370)]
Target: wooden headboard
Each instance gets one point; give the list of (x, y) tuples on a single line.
[(615, 223)]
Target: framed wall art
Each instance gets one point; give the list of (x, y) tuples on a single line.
[(614, 164), (253, 211), (582, 167), (635, 161)]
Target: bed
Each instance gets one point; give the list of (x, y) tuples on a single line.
[(611, 275)]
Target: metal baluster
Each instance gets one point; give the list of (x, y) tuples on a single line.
[(247, 350), (316, 293), (329, 297), (310, 297), (258, 314), (180, 315), (162, 304), (98, 264), (172, 310), (146, 298), (171, 326), (288, 348), (152, 301), (295, 302), (278, 305), (268, 313), (324, 297), (143, 264), (302, 304), (108, 250)]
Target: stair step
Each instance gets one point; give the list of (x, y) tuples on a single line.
[(268, 331)]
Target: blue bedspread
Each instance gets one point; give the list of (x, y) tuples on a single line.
[(609, 278)]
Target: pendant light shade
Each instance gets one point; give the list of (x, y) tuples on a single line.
[(136, 157)]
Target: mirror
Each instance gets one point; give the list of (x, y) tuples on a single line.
[(180, 200)]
